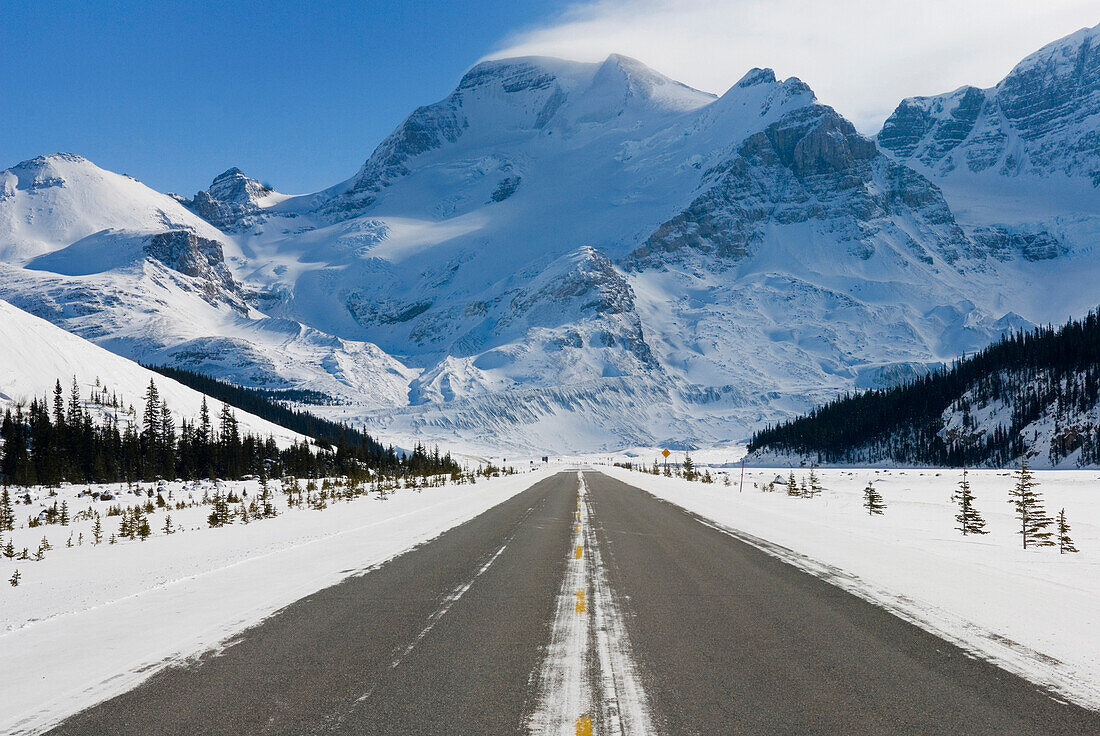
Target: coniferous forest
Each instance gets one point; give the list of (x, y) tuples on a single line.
[(55, 439), (1030, 394)]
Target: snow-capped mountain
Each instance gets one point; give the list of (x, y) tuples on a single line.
[(107, 258), (558, 255), (1039, 121), (232, 201), (1019, 164), (37, 354)]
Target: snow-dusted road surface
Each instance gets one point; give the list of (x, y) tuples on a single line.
[(584, 605)]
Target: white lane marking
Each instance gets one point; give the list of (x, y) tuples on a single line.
[(588, 675), (445, 606), (449, 601)]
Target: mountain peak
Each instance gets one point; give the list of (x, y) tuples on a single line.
[(756, 76), (231, 198), (228, 174), (234, 186), (1040, 120), (53, 165), (516, 74), (621, 81)]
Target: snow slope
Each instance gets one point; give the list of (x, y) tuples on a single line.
[(36, 355), (133, 270)]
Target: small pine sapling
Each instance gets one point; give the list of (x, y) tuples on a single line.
[(968, 518), (792, 485), (1034, 523), (815, 483), (14, 579), (1065, 543), (872, 500)]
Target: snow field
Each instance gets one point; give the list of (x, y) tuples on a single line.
[(90, 622), (1032, 612)]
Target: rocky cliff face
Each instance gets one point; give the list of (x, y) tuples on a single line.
[(1040, 120), (233, 201), (810, 168), (195, 256)]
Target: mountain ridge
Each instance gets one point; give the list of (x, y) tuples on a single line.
[(582, 235)]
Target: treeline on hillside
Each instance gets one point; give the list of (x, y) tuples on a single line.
[(52, 441), (1049, 373), (261, 404)]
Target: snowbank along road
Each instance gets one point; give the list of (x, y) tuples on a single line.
[(584, 605)]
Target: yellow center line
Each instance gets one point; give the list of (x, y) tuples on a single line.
[(580, 549), (584, 726)]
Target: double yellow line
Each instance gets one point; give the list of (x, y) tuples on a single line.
[(584, 723)]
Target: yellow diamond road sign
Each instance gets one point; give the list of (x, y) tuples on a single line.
[(666, 453)]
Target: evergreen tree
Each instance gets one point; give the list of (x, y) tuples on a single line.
[(1065, 544), (220, 515), (58, 404), (968, 518), (167, 442), (64, 516), (151, 424), (1028, 504), (97, 529), (9, 550), (689, 467), (792, 485), (7, 515), (872, 500), (74, 415), (15, 578), (815, 482)]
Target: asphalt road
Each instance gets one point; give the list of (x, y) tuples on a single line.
[(454, 637)]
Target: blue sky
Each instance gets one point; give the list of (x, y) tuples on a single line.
[(173, 93)]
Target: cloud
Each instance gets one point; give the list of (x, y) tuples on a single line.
[(860, 56)]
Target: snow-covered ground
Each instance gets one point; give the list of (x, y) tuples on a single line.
[(1033, 612), (88, 622)]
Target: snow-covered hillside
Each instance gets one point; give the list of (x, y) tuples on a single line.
[(558, 255), (35, 354), (109, 259)]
